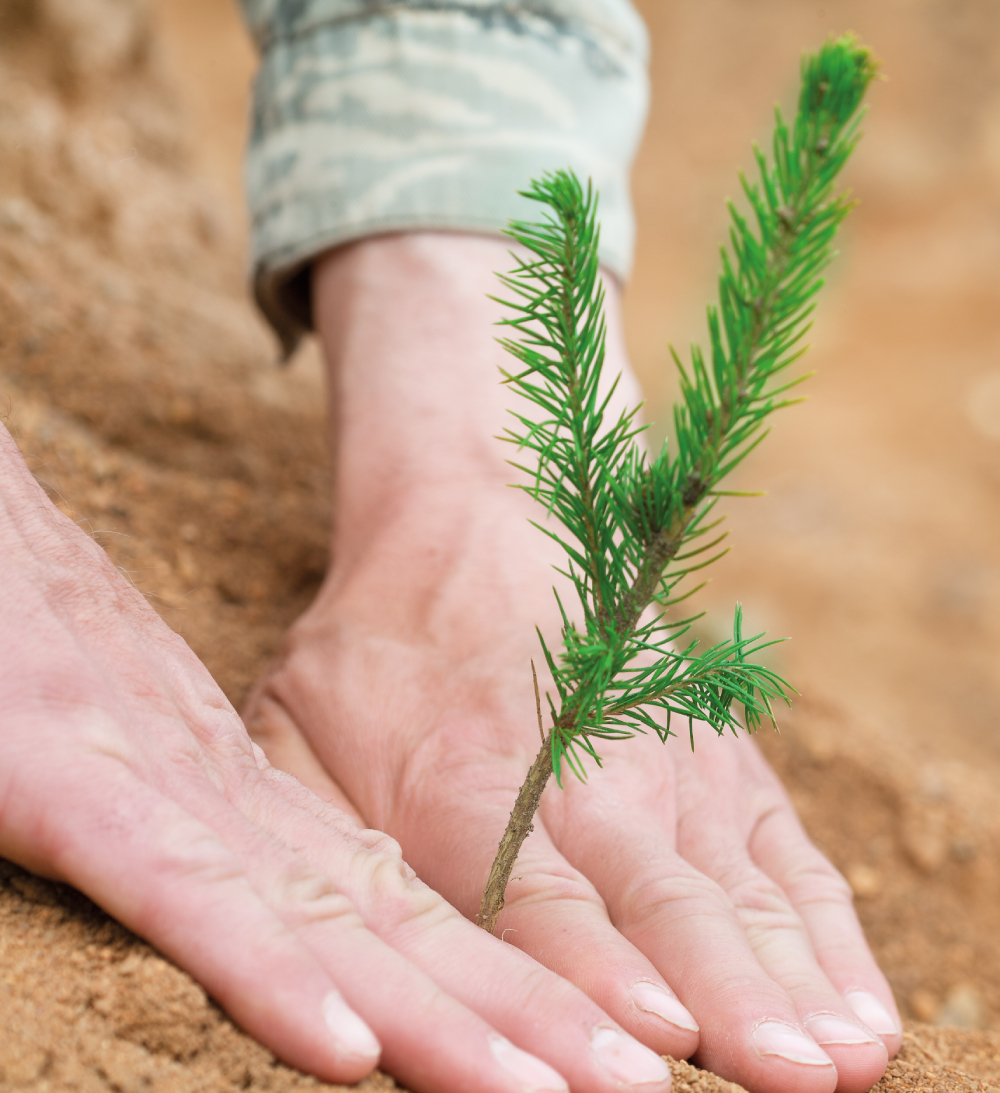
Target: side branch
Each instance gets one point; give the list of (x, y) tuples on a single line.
[(519, 827)]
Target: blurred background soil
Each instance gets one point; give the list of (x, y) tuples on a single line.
[(144, 393)]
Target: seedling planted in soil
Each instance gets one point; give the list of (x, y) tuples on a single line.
[(633, 528)]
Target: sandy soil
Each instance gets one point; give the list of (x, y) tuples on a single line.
[(143, 392)]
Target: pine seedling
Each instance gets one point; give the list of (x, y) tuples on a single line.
[(632, 527)]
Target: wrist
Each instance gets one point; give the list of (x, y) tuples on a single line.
[(416, 404)]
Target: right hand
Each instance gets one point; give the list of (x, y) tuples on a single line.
[(406, 684), (125, 772)]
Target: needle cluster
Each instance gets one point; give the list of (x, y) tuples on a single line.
[(633, 527)]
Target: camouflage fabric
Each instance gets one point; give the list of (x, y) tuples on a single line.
[(375, 116)]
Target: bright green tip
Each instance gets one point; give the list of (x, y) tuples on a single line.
[(835, 79)]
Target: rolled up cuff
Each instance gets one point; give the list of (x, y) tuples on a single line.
[(430, 116)]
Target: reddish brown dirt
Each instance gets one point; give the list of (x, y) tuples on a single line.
[(143, 391)]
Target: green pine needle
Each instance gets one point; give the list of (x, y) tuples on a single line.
[(633, 528)]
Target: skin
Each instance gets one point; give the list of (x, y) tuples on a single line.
[(404, 694), (125, 772)]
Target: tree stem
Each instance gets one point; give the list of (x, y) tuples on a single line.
[(518, 828), (659, 552)]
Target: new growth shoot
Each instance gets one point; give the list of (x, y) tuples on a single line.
[(633, 528)]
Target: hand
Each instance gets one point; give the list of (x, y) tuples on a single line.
[(670, 878), (125, 772)]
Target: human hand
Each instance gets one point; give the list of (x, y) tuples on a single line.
[(407, 685), (125, 772)]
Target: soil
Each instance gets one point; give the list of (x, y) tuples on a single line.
[(144, 392)]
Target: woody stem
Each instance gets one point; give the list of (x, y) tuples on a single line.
[(518, 828)]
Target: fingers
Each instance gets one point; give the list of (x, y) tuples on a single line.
[(686, 926), (167, 876), (781, 944), (720, 838), (553, 912), (823, 901), (283, 951), (429, 1040), (525, 1002)]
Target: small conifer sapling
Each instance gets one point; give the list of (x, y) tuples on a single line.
[(632, 527)]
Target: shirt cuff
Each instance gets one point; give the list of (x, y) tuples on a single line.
[(430, 115)]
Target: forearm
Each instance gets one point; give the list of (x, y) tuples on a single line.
[(409, 335)]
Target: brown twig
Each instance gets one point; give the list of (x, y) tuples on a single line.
[(518, 828)]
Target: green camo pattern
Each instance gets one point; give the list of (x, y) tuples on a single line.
[(376, 116)]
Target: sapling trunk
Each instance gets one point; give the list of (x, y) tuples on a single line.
[(631, 527), (518, 829)]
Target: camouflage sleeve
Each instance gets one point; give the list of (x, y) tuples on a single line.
[(377, 116)]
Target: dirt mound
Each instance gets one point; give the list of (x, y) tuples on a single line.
[(143, 390)]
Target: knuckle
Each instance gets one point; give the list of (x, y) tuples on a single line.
[(303, 896), (191, 852), (683, 893), (764, 910), (378, 842), (220, 730), (535, 992), (103, 735), (260, 758), (531, 887), (387, 875), (297, 893), (756, 895), (814, 880), (394, 898)]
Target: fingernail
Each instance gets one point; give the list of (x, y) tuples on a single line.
[(872, 1012), (351, 1035), (652, 998), (827, 1028), (534, 1075), (626, 1060), (775, 1038)]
